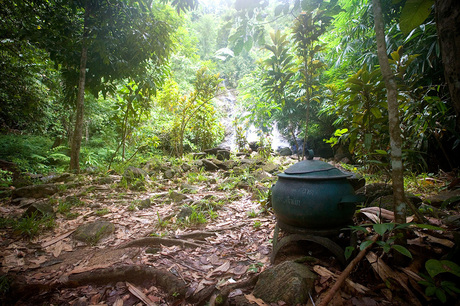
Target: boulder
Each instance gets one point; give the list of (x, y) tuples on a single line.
[(289, 282), (92, 232), (35, 191), (285, 151)]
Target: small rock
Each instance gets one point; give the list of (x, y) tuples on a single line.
[(41, 209), (185, 212), (177, 197), (209, 165), (169, 174), (186, 167), (146, 203), (289, 282), (223, 154), (92, 232)]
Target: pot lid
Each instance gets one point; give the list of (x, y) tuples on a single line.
[(313, 169)]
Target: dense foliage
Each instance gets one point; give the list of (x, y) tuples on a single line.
[(309, 68)]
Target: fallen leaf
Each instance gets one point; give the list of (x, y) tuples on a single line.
[(255, 300), (139, 294)]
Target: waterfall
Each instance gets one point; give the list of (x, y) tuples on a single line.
[(227, 104)]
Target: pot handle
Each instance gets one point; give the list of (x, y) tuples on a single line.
[(351, 199)]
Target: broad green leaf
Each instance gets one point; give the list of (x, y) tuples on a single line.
[(435, 267), (402, 250), (382, 228), (414, 14), (429, 226), (349, 251), (376, 112), (441, 295), (430, 290), (382, 152), (365, 244)]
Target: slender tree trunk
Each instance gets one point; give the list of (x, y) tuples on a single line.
[(78, 130), (448, 28), (393, 117)]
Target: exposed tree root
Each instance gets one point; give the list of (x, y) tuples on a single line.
[(154, 241), (135, 274)]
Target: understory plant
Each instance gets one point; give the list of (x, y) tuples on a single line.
[(437, 282)]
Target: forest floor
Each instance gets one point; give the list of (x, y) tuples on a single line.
[(183, 240)]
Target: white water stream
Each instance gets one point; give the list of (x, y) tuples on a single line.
[(227, 103)]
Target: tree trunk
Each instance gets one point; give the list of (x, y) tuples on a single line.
[(78, 130), (448, 28), (393, 116)]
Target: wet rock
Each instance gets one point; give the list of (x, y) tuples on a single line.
[(40, 209), (35, 191), (289, 282), (284, 151), (177, 197), (92, 232)]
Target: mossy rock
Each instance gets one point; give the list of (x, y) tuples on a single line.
[(289, 282), (92, 233)]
